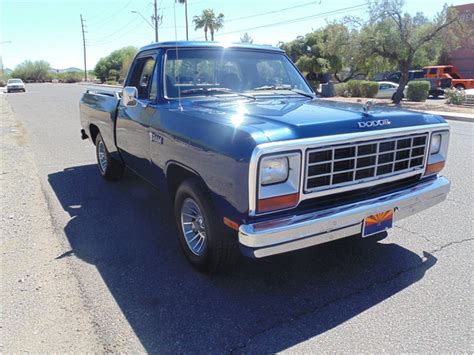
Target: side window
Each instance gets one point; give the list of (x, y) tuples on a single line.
[(384, 87), (142, 77), (433, 71)]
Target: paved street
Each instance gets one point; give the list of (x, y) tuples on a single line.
[(99, 266)]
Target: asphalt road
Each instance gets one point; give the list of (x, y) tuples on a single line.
[(411, 292)]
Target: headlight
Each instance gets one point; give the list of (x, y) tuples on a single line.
[(438, 152), (435, 144), (273, 170), (278, 182)]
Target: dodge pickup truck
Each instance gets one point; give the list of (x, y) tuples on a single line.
[(253, 160)]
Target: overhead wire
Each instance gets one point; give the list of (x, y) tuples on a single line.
[(295, 20)]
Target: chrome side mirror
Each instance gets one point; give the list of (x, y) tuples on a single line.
[(129, 96)]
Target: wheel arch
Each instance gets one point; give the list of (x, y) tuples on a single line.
[(176, 173), (94, 131)]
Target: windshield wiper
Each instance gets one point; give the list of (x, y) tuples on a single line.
[(274, 87), (215, 91)]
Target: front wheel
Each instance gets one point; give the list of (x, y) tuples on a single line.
[(204, 241), (110, 168)]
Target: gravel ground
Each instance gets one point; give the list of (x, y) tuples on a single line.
[(430, 104), (123, 285), (42, 307)]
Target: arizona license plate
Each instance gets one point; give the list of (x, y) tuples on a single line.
[(377, 223)]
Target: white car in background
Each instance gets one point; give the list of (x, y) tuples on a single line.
[(387, 89), (15, 85)]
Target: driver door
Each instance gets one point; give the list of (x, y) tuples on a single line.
[(133, 122)]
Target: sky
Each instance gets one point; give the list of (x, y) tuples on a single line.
[(51, 29)]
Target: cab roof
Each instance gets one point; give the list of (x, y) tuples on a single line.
[(204, 44)]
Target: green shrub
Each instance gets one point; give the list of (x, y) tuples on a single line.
[(455, 96), (418, 90), (341, 89), (362, 88), (368, 88), (71, 77), (111, 82), (353, 88)]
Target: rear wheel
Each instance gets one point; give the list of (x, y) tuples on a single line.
[(203, 239), (110, 168), (460, 87)]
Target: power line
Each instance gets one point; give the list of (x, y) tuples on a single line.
[(295, 20), (84, 46), (115, 33), (108, 19), (270, 12)]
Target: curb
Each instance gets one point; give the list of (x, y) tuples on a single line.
[(452, 116), (457, 118)]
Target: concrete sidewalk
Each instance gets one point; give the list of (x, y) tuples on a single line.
[(455, 116)]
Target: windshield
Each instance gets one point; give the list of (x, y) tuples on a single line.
[(14, 81), (201, 72)]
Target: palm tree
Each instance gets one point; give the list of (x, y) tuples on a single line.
[(185, 2), (209, 22)]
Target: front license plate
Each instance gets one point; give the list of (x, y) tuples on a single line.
[(377, 223)]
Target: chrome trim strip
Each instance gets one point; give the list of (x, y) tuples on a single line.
[(305, 143), (296, 232)]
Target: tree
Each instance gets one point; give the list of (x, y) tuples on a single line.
[(185, 2), (36, 71), (115, 65), (246, 38), (401, 38), (209, 22)]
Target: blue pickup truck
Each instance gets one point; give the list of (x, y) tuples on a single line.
[(253, 160)]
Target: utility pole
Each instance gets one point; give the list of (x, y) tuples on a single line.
[(84, 46), (156, 20)]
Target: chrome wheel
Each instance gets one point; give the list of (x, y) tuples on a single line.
[(194, 227), (102, 156)]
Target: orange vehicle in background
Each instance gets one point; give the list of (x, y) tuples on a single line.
[(449, 71)]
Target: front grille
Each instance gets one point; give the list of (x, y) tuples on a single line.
[(351, 163)]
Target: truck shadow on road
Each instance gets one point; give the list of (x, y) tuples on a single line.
[(126, 230)]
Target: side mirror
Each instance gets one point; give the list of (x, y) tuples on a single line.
[(129, 96)]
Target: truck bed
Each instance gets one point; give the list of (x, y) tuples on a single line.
[(98, 109)]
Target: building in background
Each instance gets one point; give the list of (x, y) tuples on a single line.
[(463, 57)]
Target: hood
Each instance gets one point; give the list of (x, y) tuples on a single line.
[(293, 118)]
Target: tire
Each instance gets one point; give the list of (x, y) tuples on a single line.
[(111, 169), (460, 87), (218, 248)]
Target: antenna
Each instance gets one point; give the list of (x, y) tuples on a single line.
[(180, 107), (84, 46)]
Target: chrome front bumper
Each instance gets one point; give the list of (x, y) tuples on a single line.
[(296, 232)]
